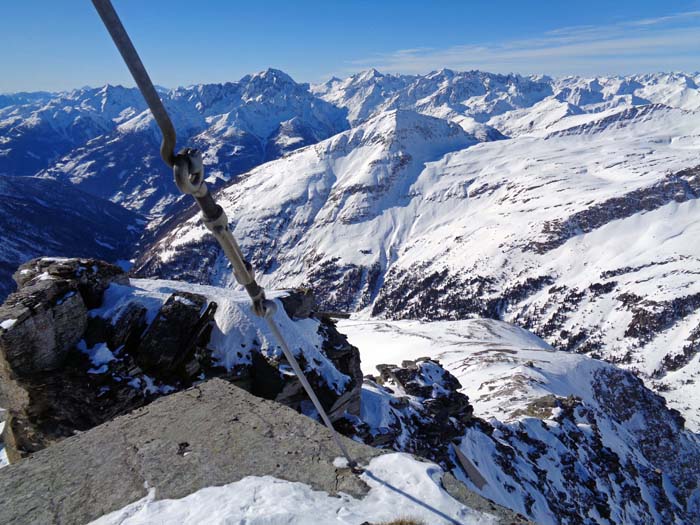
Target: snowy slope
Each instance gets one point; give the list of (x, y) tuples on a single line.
[(569, 439), (300, 207), (45, 217), (400, 486)]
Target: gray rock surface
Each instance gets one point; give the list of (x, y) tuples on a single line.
[(211, 434)]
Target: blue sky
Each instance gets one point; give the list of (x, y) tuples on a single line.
[(61, 44)]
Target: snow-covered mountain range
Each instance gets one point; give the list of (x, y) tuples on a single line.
[(581, 225), (103, 140), (567, 206)]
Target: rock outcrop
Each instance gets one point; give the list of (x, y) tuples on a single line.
[(428, 413), (40, 380), (556, 436), (74, 355)]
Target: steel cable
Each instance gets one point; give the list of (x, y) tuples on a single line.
[(188, 170)]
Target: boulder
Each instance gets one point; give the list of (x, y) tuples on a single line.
[(170, 338), (346, 359), (299, 303), (267, 381)]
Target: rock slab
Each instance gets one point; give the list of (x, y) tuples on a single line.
[(212, 434)]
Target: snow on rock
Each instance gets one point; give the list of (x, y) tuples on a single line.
[(558, 437), (7, 324), (237, 332), (3, 454), (215, 453), (400, 486), (99, 355)]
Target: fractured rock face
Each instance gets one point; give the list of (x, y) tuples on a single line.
[(169, 339), (39, 325), (63, 369), (80, 344), (47, 316), (344, 357)]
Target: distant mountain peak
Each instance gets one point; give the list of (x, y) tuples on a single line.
[(370, 74), (271, 75)]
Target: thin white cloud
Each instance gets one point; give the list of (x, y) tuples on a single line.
[(664, 43), (664, 19)]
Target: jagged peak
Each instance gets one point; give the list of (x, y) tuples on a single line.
[(442, 73), (270, 75), (368, 75)]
